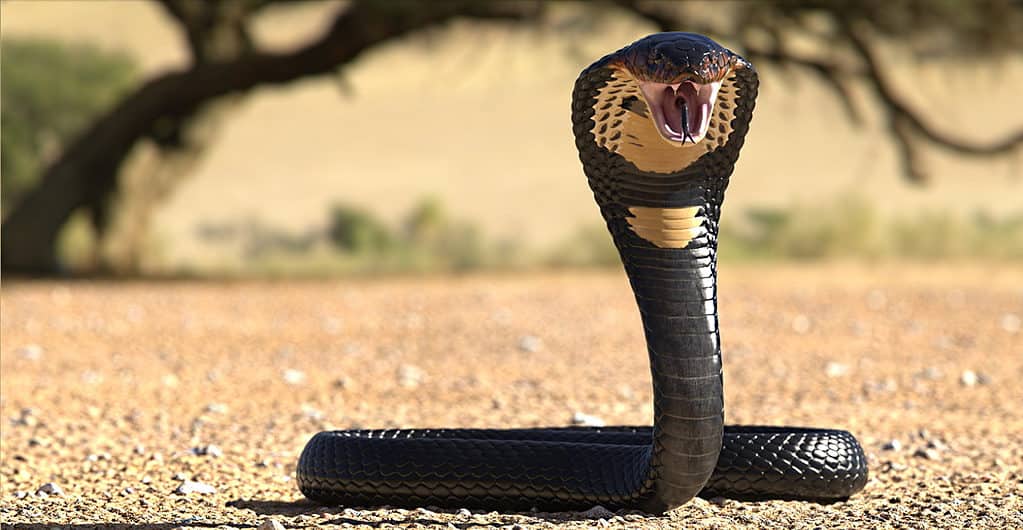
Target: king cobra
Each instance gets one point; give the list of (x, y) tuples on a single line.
[(658, 125)]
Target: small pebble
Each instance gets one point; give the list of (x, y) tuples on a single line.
[(928, 453), (892, 445), (50, 489), (410, 376), (208, 450), (530, 344), (31, 352), (293, 377), (833, 369), (271, 524), (464, 512), (1011, 322), (216, 408), (801, 324), (21, 494), (581, 418), (189, 486), (968, 378)]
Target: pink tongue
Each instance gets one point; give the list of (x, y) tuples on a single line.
[(697, 98)]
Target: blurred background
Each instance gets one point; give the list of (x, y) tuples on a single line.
[(272, 138)]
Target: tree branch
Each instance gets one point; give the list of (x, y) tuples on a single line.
[(87, 169), (902, 110)]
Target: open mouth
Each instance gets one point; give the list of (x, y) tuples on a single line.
[(681, 111)]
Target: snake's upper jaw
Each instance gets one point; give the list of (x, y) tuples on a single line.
[(681, 111)]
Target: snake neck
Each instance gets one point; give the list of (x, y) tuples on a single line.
[(669, 254), (665, 226)]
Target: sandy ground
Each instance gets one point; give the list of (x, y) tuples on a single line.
[(113, 392)]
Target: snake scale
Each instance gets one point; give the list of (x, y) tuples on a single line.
[(658, 125)]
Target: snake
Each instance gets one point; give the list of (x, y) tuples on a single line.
[(658, 126)]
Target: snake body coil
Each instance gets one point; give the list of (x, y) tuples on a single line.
[(658, 125)]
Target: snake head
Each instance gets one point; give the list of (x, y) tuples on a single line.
[(668, 99)]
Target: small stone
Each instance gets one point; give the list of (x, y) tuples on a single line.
[(208, 450), (189, 486), (146, 479), (928, 453), (464, 512), (833, 369), (293, 377), (271, 524), (603, 523), (50, 489), (180, 476), (968, 378), (20, 494), (530, 344), (31, 352), (586, 420), (216, 408), (410, 376), (139, 449), (1011, 322), (128, 491), (27, 418), (892, 445), (170, 380), (597, 512), (801, 324), (310, 412)]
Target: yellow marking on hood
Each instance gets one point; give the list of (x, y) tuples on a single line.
[(666, 227)]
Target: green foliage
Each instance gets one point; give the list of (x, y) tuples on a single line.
[(852, 228), (356, 231), (50, 92), (429, 240)]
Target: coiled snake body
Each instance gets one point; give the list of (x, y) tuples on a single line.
[(658, 125)]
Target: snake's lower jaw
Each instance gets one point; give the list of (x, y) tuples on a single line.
[(681, 111)]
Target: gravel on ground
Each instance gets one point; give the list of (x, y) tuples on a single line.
[(186, 403)]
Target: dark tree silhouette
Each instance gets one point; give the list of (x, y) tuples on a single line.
[(178, 111)]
